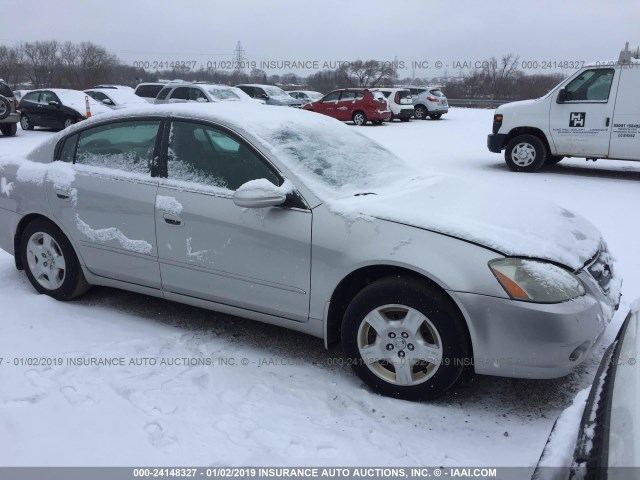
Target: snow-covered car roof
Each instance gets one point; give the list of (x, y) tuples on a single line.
[(121, 96)]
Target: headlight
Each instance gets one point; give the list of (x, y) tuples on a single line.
[(535, 281)]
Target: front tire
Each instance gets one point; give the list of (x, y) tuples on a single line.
[(25, 122), (420, 112), (405, 339), (525, 153), (9, 130), (359, 119), (50, 262)]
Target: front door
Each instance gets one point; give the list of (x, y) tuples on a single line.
[(581, 125), (108, 205), (625, 137), (209, 248), (327, 105)]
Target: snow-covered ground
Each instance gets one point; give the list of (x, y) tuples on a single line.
[(284, 401)]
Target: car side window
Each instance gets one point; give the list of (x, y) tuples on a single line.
[(99, 96), (31, 97), (69, 149), (347, 96), (180, 93), (197, 95), (359, 95), (591, 85), (205, 155), (163, 93), (47, 97), (332, 97), (124, 146)]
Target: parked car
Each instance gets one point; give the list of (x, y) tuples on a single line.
[(608, 437), (359, 105), (149, 90), (270, 94), (116, 98), (201, 92), (594, 114), (417, 277), (18, 94), (56, 108), (400, 102), (117, 87), (8, 111), (431, 103), (305, 96)]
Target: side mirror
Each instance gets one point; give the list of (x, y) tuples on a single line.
[(53, 103), (263, 96), (259, 193), (562, 96), (107, 101)]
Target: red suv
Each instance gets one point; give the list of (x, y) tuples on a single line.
[(357, 104)]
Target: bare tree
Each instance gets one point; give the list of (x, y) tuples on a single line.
[(41, 62), (11, 59), (86, 64), (500, 74), (369, 73)]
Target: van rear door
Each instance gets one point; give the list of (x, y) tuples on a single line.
[(625, 136), (581, 124)]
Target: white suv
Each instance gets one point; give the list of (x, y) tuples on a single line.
[(400, 102), (430, 103)]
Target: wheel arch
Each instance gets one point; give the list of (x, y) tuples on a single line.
[(356, 280), (536, 132)]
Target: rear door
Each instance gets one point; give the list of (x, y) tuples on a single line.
[(29, 106), (108, 208), (209, 248), (581, 125), (625, 136), (50, 115), (328, 104), (344, 107)]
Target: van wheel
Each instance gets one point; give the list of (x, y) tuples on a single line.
[(420, 112), (9, 130), (50, 262), (553, 159), (359, 118), (25, 122), (435, 116), (404, 339), (525, 153)]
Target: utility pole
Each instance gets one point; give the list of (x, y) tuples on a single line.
[(238, 56)]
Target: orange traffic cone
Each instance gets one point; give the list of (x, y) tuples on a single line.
[(86, 101)]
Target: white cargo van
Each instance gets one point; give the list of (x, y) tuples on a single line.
[(594, 114)]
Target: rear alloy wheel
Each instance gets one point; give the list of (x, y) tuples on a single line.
[(25, 122), (525, 153), (68, 122), (359, 118), (435, 116), (553, 159), (420, 112), (404, 339), (9, 130), (50, 262)]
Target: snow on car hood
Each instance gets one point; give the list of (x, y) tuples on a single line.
[(524, 226)]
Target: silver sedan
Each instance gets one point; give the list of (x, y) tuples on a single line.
[(291, 218)]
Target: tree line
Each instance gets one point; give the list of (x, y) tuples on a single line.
[(85, 64)]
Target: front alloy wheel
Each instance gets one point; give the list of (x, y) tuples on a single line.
[(405, 338)]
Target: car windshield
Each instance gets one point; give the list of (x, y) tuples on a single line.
[(222, 94), (332, 158), (378, 95), (275, 91)]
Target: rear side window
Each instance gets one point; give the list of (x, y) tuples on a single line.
[(197, 95), (436, 92), (31, 97), (5, 90), (180, 93), (148, 91), (332, 97), (163, 93), (126, 146), (347, 96)]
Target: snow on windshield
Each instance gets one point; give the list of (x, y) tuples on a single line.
[(222, 94), (275, 92), (332, 158)]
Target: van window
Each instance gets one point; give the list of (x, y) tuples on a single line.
[(163, 93), (591, 85)]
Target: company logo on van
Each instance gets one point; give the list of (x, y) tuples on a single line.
[(577, 119)]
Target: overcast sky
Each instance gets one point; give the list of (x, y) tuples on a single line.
[(331, 30)]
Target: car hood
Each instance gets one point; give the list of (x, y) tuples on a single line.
[(515, 225)]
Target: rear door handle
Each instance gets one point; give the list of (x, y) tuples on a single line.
[(173, 220), (608, 120)]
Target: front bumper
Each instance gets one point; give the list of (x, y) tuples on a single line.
[(406, 113), (532, 340), (495, 142)]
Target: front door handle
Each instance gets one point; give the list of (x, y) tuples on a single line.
[(172, 220), (62, 194)]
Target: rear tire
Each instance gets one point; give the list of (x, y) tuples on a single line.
[(420, 112), (68, 122), (359, 118), (525, 153), (50, 261), (25, 122), (405, 119), (435, 116), (405, 339), (9, 130)]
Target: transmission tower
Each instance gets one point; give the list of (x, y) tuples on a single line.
[(238, 55)]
